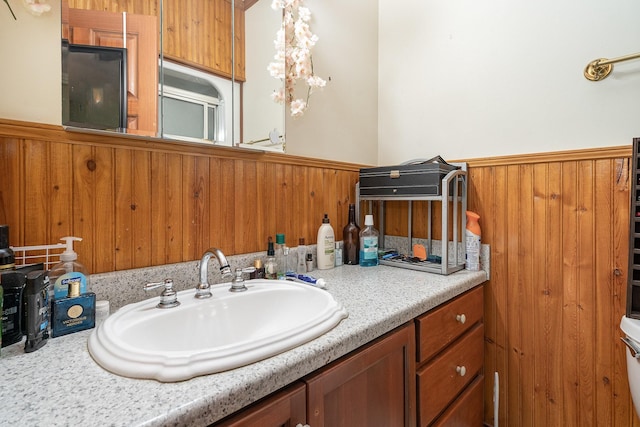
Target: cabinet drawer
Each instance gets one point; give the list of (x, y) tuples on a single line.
[(441, 326), (442, 379), (467, 410)]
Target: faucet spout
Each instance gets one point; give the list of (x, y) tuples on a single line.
[(202, 290)]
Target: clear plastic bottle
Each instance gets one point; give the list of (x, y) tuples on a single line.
[(301, 267), (282, 253), (473, 240), (369, 243), (338, 251), (66, 271)]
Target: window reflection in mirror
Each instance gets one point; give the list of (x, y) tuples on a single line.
[(194, 105), (203, 48)]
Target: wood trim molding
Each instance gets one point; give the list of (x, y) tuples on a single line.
[(613, 152), (47, 132), (55, 133)]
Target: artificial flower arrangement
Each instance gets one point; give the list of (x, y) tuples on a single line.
[(36, 7), (293, 60)]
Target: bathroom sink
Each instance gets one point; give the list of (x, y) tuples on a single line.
[(204, 336)]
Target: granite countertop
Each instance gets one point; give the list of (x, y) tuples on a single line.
[(61, 385)]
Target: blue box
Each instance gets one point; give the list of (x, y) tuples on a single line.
[(73, 314)]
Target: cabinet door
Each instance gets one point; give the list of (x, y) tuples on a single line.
[(373, 386), (200, 35), (285, 408)]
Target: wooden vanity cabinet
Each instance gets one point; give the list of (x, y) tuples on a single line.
[(373, 386), (450, 352), (284, 408), (427, 372)]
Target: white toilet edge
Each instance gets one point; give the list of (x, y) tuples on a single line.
[(631, 327)]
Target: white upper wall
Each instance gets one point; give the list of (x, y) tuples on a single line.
[(461, 79), (469, 78), (31, 70)]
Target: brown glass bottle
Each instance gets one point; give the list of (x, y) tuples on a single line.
[(351, 238)]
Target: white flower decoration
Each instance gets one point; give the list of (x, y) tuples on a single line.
[(293, 60)]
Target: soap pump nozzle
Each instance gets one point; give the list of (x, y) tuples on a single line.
[(69, 254)]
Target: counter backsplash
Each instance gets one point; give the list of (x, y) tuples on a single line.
[(125, 287)]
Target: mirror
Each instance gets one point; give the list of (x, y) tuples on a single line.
[(196, 90), (262, 119)]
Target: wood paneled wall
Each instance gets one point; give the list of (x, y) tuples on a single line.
[(137, 203), (557, 225), (195, 32)]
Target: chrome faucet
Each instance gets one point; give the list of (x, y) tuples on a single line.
[(202, 290)]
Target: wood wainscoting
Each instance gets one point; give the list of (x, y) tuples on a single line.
[(138, 203), (557, 224)]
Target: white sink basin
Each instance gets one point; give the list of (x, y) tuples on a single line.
[(223, 332)]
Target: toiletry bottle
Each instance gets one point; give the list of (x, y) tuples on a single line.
[(281, 259), (36, 296), (1, 301), (326, 245), (338, 251), (289, 262), (258, 273), (351, 238), (7, 257), (368, 243), (270, 265), (68, 270), (301, 266), (309, 262), (472, 235), (75, 312), (13, 283)]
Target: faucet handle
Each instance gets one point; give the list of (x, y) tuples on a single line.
[(168, 297), (237, 283), (225, 271)]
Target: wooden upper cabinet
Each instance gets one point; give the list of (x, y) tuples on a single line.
[(198, 33), (98, 28)]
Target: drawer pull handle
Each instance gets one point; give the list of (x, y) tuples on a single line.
[(461, 318), (461, 370)]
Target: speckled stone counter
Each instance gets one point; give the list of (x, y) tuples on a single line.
[(61, 385)]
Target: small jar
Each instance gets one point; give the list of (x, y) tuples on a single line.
[(258, 273), (102, 311)]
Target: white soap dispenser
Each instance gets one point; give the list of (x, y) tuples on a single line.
[(68, 270)]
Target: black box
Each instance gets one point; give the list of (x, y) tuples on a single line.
[(413, 179)]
